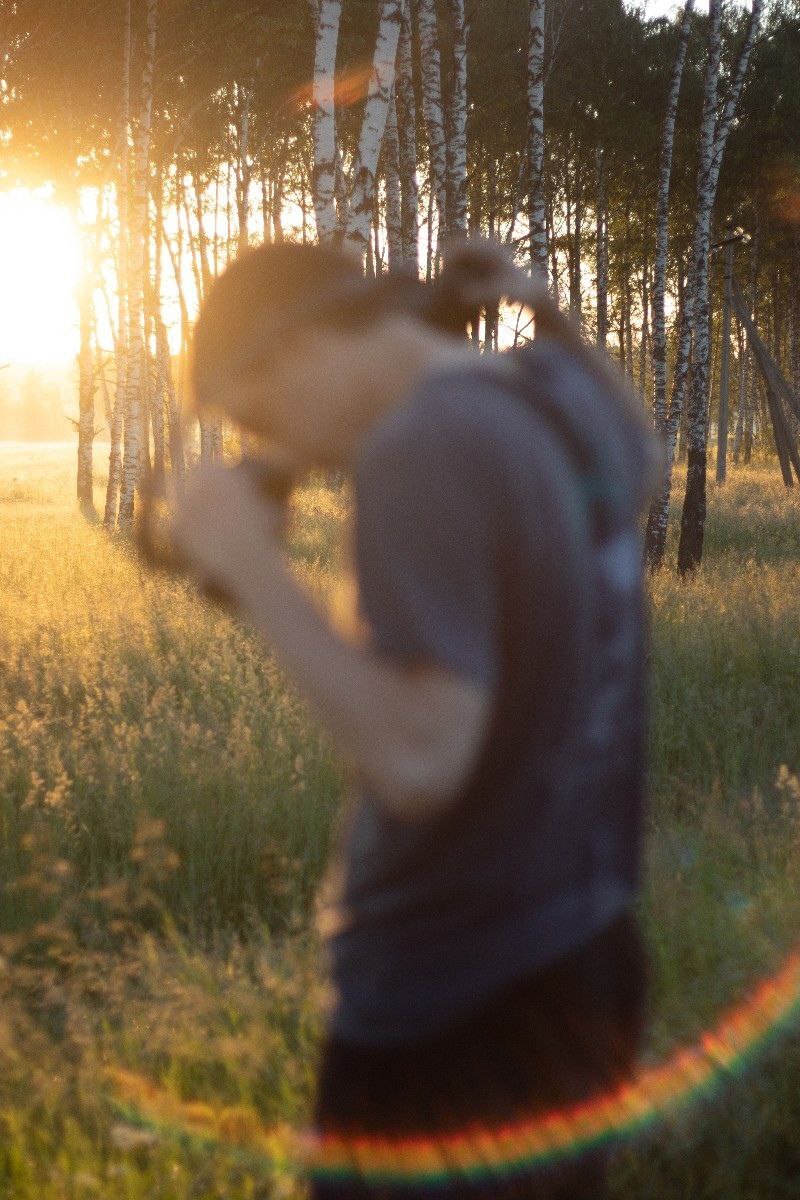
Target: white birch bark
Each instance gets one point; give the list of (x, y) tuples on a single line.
[(407, 139), (658, 517), (324, 118), (724, 122), (115, 433), (457, 142), (662, 225), (135, 414), (432, 110), (536, 200), (715, 128), (376, 108), (694, 507)]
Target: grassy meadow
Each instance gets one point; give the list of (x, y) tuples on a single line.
[(166, 808)]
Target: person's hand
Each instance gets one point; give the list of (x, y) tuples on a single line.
[(225, 526)]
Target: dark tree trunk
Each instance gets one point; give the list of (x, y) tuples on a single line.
[(693, 517)]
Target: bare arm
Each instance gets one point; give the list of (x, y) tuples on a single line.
[(413, 733)]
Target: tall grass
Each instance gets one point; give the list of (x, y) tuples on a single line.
[(165, 816), (125, 697)]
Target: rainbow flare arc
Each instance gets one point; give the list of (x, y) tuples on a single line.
[(481, 1154)]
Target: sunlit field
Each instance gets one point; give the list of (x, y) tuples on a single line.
[(165, 816)]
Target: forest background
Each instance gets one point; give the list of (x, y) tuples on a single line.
[(165, 802), (608, 150)]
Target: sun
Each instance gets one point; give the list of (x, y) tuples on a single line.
[(39, 265)]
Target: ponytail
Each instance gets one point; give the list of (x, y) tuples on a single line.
[(480, 274)]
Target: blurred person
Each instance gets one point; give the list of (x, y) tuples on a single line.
[(479, 921)]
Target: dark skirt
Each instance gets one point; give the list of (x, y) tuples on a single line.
[(550, 1041)]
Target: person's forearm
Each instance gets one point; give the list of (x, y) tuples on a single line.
[(412, 733), (370, 706)]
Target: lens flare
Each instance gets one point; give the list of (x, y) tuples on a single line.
[(347, 89), (482, 1154)]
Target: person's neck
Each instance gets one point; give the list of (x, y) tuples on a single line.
[(402, 370)]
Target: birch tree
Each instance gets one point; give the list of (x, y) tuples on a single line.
[(536, 199), (376, 108), (715, 127), (329, 15), (656, 530), (662, 224), (457, 142), (135, 414), (432, 108)]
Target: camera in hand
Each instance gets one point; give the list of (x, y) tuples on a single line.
[(152, 532)]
